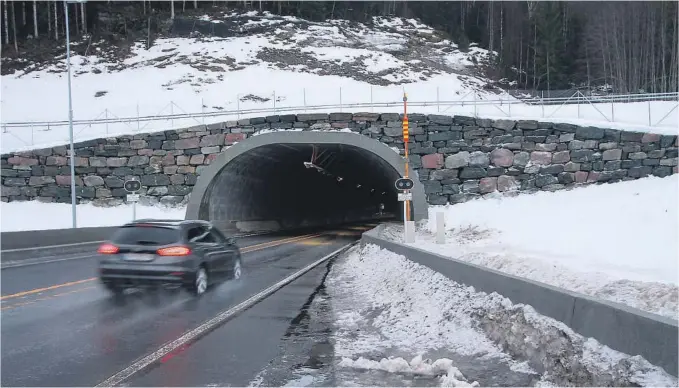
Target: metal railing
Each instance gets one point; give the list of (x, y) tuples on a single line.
[(578, 106)]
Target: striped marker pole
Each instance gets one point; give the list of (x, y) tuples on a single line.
[(406, 138)]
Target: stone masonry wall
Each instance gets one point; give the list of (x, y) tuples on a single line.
[(458, 158)]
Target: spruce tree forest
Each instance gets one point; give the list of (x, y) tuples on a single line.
[(628, 47)]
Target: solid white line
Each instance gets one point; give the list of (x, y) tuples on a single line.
[(222, 317), (50, 247)]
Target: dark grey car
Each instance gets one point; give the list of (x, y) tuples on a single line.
[(168, 253)]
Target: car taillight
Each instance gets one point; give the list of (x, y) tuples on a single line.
[(174, 251), (108, 249)]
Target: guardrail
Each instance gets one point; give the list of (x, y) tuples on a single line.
[(592, 108), (576, 99), (622, 328)]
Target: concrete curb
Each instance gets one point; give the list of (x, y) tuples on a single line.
[(620, 327)]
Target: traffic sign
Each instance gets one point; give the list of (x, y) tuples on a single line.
[(132, 197), (404, 184), (132, 186), (407, 196)]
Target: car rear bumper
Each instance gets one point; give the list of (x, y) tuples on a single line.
[(130, 275)]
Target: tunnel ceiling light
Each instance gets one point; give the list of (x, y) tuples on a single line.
[(372, 190), (358, 186), (340, 179), (384, 193)]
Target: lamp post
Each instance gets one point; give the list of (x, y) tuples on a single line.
[(70, 114)]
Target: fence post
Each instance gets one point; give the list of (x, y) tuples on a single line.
[(274, 102), (340, 99), (438, 105), (372, 106), (440, 228), (612, 111), (542, 102), (475, 107), (649, 113), (304, 95)]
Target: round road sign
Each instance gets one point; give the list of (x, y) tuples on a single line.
[(404, 184), (132, 186)]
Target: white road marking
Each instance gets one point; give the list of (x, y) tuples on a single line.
[(222, 317)]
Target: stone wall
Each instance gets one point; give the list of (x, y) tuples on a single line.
[(457, 158)]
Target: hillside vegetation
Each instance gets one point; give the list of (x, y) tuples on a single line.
[(618, 46)]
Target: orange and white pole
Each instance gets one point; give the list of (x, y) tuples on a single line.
[(406, 138)]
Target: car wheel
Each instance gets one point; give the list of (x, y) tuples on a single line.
[(200, 282), (237, 270)]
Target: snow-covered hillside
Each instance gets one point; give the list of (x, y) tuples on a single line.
[(270, 65)]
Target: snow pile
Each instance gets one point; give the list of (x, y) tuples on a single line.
[(20, 216), (450, 376), (613, 241), (423, 311)]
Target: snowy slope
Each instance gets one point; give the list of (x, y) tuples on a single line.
[(617, 242), (274, 65)]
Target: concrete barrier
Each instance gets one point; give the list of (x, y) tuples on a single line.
[(620, 327)]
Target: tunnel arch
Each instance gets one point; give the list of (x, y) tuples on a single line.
[(214, 177)]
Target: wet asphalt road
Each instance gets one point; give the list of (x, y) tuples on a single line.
[(76, 334)]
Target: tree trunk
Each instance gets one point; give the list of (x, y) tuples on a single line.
[(172, 9), (6, 23), (77, 22), (56, 22), (35, 19), (49, 21), (23, 13), (14, 28), (83, 17)]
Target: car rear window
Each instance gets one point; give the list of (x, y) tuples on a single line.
[(146, 235)]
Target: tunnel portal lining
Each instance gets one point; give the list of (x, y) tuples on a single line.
[(199, 199)]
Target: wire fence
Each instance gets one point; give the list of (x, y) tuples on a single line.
[(647, 110)]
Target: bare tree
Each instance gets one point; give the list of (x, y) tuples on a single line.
[(56, 22), (6, 24), (14, 29), (83, 17), (35, 18)]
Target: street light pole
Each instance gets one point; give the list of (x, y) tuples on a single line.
[(70, 117)]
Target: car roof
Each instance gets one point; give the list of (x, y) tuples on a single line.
[(167, 222)]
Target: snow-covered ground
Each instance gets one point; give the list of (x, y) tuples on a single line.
[(19, 216), (399, 317), (617, 241), (291, 66)]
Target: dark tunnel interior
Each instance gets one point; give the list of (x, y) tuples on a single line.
[(284, 186)]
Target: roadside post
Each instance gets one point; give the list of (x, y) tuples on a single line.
[(132, 186), (406, 184), (440, 228)]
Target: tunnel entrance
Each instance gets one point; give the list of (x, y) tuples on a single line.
[(287, 180)]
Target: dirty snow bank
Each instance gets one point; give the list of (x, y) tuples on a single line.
[(451, 376), (613, 241), (415, 310)]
